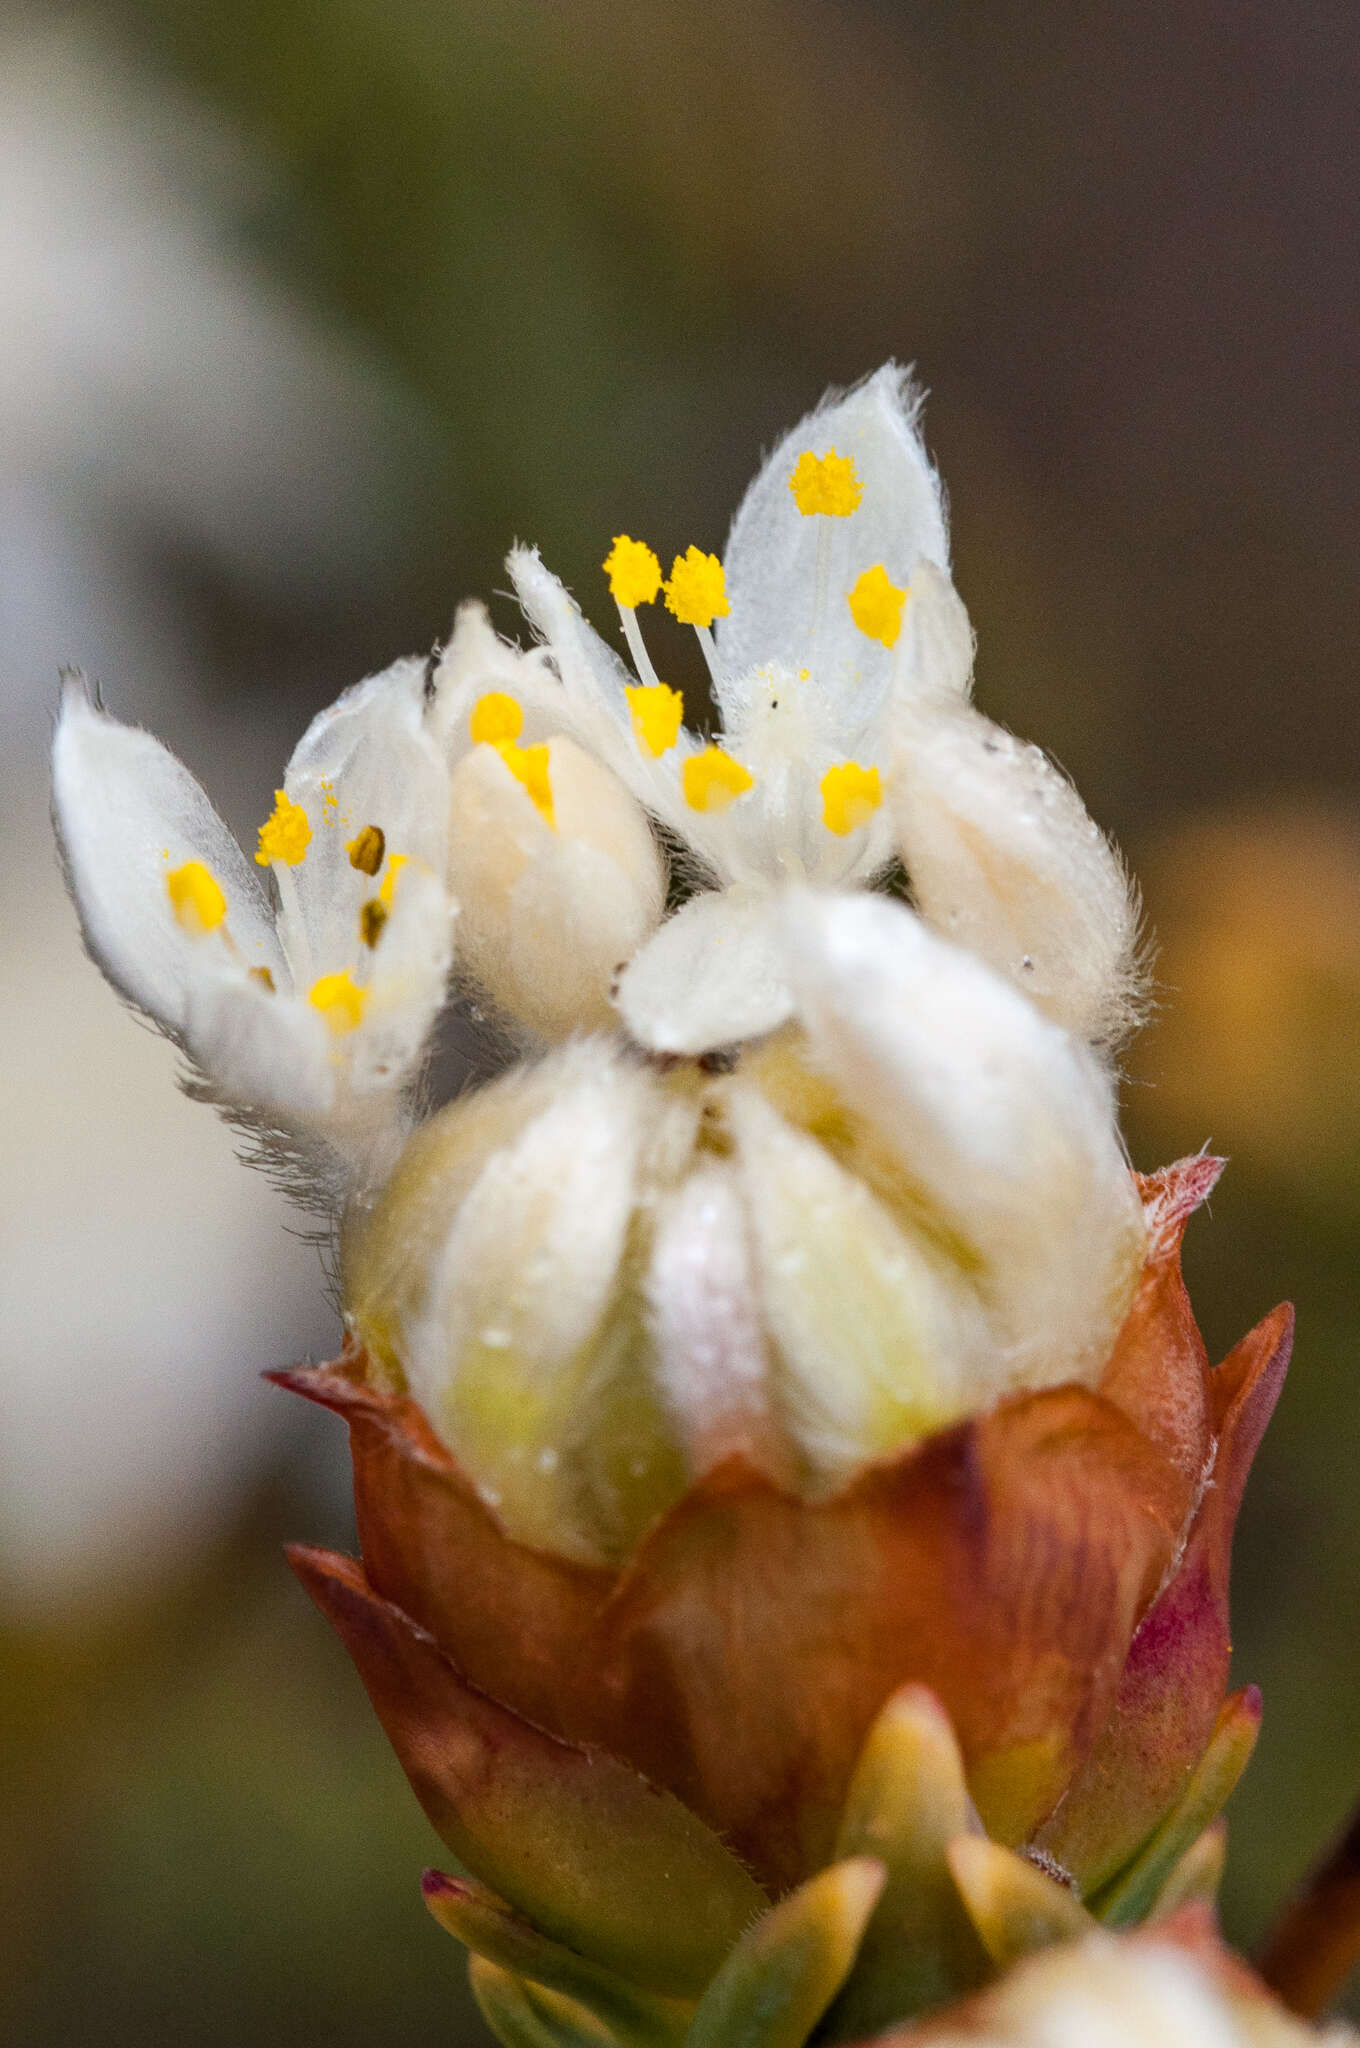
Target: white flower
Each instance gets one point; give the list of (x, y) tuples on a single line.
[(1103, 1992), (840, 658), (307, 1017)]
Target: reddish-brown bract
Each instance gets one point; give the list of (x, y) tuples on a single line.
[(1056, 1571)]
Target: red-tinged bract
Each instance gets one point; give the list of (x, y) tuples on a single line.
[(1054, 1570)]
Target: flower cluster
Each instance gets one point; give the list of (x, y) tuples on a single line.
[(785, 1333), (814, 1171)]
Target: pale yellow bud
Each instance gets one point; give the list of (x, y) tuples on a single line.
[(557, 876)]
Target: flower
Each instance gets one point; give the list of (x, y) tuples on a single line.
[(305, 1019), (788, 1338), (840, 658)]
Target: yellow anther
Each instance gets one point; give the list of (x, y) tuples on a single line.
[(389, 880), (495, 719), (372, 917), (529, 766), (340, 1001), (264, 977), (697, 589), (850, 796), (825, 483), (634, 572), (876, 605), (713, 780), (286, 833), (366, 849), (657, 711), (196, 897)]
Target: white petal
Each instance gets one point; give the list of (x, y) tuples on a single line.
[(713, 974), (1005, 1122), (593, 676), (1004, 859), (938, 644), (550, 912), (879, 1335), (129, 814), (408, 971), (789, 575), (365, 760), (712, 1361), (475, 661), (260, 1050), (594, 680)]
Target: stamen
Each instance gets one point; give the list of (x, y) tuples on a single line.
[(850, 796), (389, 881), (285, 835), (826, 483), (713, 780), (657, 711), (634, 572), (696, 591), (366, 849), (876, 605), (710, 651), (495, 719), (196, 897), (373, 915), (340, 1001), (642, 661)]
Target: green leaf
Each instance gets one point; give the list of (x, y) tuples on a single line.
[(1131, 1896), (907, 1801), (1015, 1907), (1198, 1875), (493, 1930), (522, 2016), (785, 1971)]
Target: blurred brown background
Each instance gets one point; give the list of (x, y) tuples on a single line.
[(307, 309)]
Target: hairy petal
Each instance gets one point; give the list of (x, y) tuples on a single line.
[(366, 760), (550, 910), (1003, 1122), (1004, 859), (128, 815), (713, 974), (789, 575)]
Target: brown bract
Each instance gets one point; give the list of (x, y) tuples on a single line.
[(1055, 1571)]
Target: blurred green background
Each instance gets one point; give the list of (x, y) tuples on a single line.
[(308, 308)]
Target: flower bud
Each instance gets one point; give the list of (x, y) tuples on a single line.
[(558, 883), (1004, 859)]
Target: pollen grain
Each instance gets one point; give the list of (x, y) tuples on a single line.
[(196, 897), (286, 833), (634, 572), (696, 590), (850, 796), (876, 604), (657, 711), (714, 780), (825, 483)]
